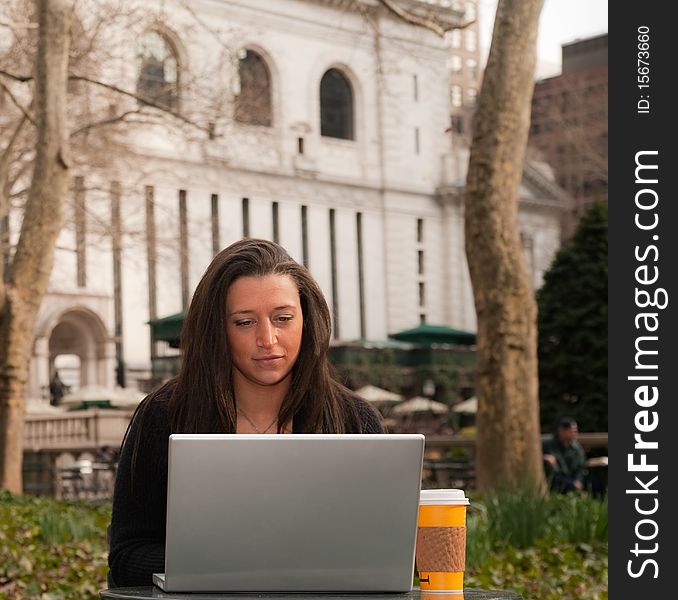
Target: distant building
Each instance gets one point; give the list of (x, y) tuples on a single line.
[(465, 70), (569, 124), (329, 133)]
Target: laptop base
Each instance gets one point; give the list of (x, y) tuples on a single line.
[(159, 580)]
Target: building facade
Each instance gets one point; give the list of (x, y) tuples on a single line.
[(323, 125), (465, 70), (569, 124)]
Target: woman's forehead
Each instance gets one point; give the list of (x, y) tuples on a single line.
[(270, 291)]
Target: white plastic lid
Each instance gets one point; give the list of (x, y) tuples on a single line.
[(448, 496)]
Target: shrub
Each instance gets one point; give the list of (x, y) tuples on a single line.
[(52, 550), (572, 324), (547, 548), (552, 547)]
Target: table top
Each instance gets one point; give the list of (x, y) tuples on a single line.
[(135, 593)]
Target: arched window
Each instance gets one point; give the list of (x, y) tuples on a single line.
[(158, 71), (336, 106), (253, 102)]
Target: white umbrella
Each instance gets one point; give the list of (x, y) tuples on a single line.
[(469, 406), (127, 397), (420, 404), (372, 393), (119, 397)]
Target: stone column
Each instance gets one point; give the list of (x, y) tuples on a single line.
[(106, 363), (39, 372), (88, 365)]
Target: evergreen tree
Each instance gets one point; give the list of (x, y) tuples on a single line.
[(573, 328)]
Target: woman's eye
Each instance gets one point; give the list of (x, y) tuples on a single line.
[(284, 318), (244, 323)]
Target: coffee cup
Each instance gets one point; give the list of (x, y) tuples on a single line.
[(441, 540)]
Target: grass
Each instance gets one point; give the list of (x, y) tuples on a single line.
[(552, 548), (521, 518)]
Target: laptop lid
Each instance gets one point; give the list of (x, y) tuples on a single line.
[(310, 512)]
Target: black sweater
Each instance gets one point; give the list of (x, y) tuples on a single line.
[(137, 534)]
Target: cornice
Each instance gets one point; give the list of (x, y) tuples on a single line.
[(550, 196), (443, 12), (532, 175)]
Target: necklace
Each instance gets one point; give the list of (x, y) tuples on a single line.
[(241, 412)]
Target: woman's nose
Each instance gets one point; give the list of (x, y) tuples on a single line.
[(266, 335)]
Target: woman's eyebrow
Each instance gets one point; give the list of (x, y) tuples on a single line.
[(249, 310)]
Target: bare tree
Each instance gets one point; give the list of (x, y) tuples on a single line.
[(569, 130), (28, 278), (103, 116), (509, 448), (508, 442)]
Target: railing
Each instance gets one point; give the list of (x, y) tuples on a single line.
[(589, 441), (63, 452), (443, 469), (85, 480), (79, 430)]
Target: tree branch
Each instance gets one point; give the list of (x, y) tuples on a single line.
[(6, 153), (110, 121), (14, 26), (429, 23), (10, 182), (108, 86), (115, 88), (364, 13), (188, 8), (18, 194), (18, 104), (20, 78)]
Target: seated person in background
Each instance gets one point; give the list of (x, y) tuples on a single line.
[(255, 342), (564, 458)]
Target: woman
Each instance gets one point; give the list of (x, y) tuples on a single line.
[(255, 343)]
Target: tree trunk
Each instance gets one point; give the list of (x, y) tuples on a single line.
[(30, 271), (509, 448)]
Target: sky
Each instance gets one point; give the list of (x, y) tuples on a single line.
[(561, 21)]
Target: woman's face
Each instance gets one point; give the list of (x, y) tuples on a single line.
[(264, 324)]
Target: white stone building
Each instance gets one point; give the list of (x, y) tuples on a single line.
[(346, 159)]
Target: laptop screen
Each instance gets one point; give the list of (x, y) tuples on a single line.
[(304, 512)]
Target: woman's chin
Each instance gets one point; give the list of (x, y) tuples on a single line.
[(269, 378)]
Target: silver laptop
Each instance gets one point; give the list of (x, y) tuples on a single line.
[(291, 513)]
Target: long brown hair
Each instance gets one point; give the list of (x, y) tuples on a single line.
[(202, 399)]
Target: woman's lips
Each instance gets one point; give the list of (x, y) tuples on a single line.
[(268, 361)]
